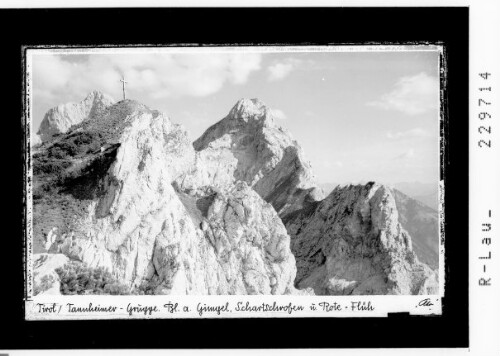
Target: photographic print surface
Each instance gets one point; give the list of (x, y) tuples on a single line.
[(293, 176)]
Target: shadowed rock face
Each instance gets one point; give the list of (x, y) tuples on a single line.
[(352, 243)]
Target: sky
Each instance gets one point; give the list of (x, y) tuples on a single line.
[(370, 115)]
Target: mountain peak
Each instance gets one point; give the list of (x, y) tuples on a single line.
[(364, 250), (250, 108), (267, 156), (60, 118), (100, 96)]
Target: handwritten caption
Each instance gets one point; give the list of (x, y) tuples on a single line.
[(201, 309)]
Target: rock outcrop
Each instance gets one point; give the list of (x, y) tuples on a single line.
[(46, 280), (60, 118), (245, 247), (353, 243), (103, 195)]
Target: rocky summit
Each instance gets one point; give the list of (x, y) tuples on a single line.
[(353, 243), (124, 202), (262, 154), (59, 119)]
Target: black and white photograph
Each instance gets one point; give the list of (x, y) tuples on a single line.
[(304, 171), (315, 177)]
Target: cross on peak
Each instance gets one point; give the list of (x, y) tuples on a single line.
[(123, 85)]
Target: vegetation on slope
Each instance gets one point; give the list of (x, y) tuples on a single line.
[(68, 170), (78, 278)]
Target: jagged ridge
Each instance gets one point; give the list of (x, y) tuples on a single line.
[(352, 243), (125, 189)]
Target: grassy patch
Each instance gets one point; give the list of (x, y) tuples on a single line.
[(78, 278), (80, 157)]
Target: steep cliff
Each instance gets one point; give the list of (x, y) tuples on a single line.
[(353, 243)]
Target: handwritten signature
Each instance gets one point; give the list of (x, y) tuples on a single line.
[(425, 303)]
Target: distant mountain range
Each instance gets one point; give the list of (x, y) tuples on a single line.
[(422, 223), (426, 193)]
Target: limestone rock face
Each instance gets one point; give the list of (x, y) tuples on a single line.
[(212, 167), (240, 246), (115, 199), (261, 153), (180, 155), (61, 118), (46, 280), (106, 194), (353, 243)]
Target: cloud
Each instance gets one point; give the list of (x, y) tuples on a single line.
[(413, 133), (279, 114), (407, 155), (159, 75), (412, 95), (280, 70)]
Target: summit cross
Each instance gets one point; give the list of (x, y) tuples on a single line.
[(123, 86)]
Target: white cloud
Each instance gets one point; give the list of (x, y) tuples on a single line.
[(280, 70), (413, 133), (411, 95), (157, 75), (278, 114), (407, 155)]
